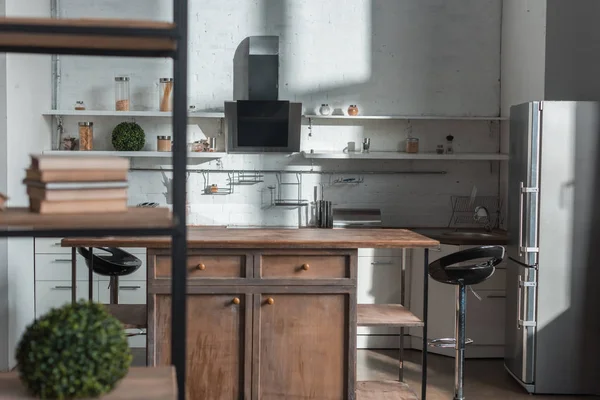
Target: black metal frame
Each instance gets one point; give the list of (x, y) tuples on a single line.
[(179, 230), (425, 312)]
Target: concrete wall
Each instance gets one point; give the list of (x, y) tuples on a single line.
[(572, 50), (523, 66)]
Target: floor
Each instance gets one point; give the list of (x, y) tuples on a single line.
[(484, 379)]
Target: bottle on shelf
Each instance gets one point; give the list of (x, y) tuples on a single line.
[(325, 110), (449, 144), (79, 105), (353, 110), (86, 136), (166, 91)]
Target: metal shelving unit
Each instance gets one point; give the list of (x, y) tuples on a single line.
[(109, 37)]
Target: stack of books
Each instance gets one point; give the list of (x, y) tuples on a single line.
[(76, 184)]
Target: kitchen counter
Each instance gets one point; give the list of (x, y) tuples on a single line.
[(219, 238), (274, 310)]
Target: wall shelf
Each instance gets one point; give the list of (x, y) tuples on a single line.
[(130, 114), (134, 154), (392, 155), (217, 115), (406, 117)]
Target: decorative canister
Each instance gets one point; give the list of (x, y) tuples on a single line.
[(79, 105), (86, 135), (325, 109), (122, 102), (163, 143), (412, 145), (353, 110)]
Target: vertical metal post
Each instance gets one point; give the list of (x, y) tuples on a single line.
[(91, 276), (179, 242), (425, 308), (460, 335), (73, 275), (114, 290), (403, 302)]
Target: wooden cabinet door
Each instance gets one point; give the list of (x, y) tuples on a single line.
[(300, 349), (216, 344)]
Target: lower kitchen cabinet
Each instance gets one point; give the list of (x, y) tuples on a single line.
[(293, 332), (218, 344), (485, 317), (53, 294)]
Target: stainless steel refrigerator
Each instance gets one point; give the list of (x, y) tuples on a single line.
[(553, 272)]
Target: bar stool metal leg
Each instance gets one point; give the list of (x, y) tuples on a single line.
[(114, 290), (460, 335)]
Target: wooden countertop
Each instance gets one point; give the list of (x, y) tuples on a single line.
[(199, 238)]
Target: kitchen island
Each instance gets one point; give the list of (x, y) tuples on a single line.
[(272, 314)]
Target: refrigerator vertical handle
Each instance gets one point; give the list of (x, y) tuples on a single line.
[(521, 194), (519, 305)]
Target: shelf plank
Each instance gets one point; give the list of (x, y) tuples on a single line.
[(131, 114), (157, 383), (406, 117), (386, 315), (88, 36), (132, 316), (134, 154), (384, 390), (392, 155), (134, 217)]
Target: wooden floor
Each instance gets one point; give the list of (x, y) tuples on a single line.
[(485, 379)]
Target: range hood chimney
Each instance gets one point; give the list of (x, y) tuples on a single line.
[(257, 69)]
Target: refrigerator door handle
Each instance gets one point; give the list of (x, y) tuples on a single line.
[(519, 305), (522, 248), (523, 284)]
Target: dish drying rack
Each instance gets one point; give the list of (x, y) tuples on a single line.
[(464, 215), (276, 193)]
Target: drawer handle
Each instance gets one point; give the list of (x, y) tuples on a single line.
[(496, 296), (270, 301), (62, 287), (201, 267), (57, 244), (62, 260), (236, 300), (129, 287), (305, 267), (382, 263)]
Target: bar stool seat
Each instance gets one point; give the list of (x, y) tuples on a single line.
[(464, 268), (115, 264)]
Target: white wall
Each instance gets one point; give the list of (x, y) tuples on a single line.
[(389, 57), (25, 92)]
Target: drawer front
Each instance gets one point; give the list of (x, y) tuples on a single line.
[(57, 267), (130, 292), (50, 246), (54, 294), (486, 318), (205, 266), (304, 267), (380, 252)]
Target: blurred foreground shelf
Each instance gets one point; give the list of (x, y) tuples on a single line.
[(156, 383), (15, 222)]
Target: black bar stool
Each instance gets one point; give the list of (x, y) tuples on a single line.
[(445, 270), (115, 264)]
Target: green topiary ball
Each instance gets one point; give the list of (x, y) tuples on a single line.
[(78, 350), (128, 136)]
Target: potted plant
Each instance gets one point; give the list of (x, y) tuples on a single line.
[(76, 351)]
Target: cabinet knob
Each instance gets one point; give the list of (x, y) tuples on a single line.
[(305, 267), (201, 267), (236, 300), (270, 301)]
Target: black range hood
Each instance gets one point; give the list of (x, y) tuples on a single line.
[(258, 121)]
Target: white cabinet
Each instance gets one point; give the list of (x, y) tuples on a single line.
[(379, 282), (485, 317), (52, 294), (130, 292)]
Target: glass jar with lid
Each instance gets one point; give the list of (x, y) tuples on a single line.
[(412, 145), (166, 94), (122, 94), (79, 105), (86, 136)]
